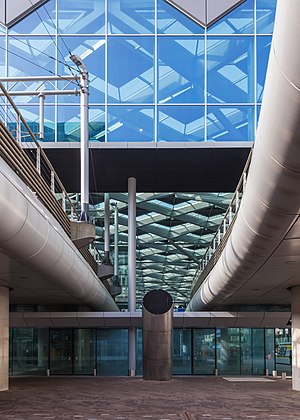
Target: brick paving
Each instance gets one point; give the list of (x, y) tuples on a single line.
[(189, 398)]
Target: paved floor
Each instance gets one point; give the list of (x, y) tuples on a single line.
[(189, 398)]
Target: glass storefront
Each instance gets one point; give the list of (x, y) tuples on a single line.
[(155, 74), (104, 352)]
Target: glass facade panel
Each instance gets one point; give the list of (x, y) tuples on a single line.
[(130, 83), (97, 123), (42, 21), (246, 351), (31, 115), (139, 351), (30, 56), (181, 123), (68, 123), (265, 16), (112, 352), (29, 351), (81, 17), (92, 52), (171, 21), (182, 352), (230, 76), (238, 21), (61, 351), (283, 350), (130, 16), (134, 124), (181, 69), (228, 351), (204, 351), (258, 351), (84, 351), (263, 51), (270, 349), (230, 123)]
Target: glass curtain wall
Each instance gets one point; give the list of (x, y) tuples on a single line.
[(198, 351), (155, 75)]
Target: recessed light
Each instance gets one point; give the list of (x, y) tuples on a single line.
[(290, 262)]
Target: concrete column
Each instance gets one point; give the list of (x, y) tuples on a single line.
[(296, 338), (4, 334), (131, 272)]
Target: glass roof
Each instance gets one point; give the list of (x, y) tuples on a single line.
[(173, 233)]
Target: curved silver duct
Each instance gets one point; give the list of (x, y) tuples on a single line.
[(271, 202), (31, 235)]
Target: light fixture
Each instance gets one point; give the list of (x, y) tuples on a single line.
[(78, 61)]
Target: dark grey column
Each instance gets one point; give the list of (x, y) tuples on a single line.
[(157, 335)]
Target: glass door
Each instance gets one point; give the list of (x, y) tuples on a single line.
[(61, 351), (84, 351), (204, 351)]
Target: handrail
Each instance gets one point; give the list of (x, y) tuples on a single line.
[(222, 234), (41, 153)]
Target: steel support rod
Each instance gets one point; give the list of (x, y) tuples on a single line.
[(106, 224), (84, 146), (43, 92), (37, 78), (42, 115), (131, 272), (116, 240)]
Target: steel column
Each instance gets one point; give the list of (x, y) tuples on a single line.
[(131, 272)]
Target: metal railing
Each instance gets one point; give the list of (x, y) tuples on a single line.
[(222, 234), (32, 164)]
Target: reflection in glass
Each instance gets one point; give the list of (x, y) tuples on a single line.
[(61, 351), (92, 52), (182, 360), (31, 116), (29, 351), (130, 16), (230, 64), (112, 352), (41, 21), (84, 351), (263, 51), (96, 124), (130, 123), (172, 21), (81, 17), (139, 351), (258, 352), (230, 123), (29, 56), (181, 69), (238, 21), (181, 123), (246, 351), (68, 123), (265, 16), (130, 82), (204, 351), (270, 349), (228, 351), (283, 350)]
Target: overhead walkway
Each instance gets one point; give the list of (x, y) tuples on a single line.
[(39, 260)]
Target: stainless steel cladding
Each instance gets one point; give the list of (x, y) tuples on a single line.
[(157, 335)]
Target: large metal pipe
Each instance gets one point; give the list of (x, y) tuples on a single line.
[(131, 272), (157, 335)]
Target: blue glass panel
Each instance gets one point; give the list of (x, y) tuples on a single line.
[(172, 21), (265, 16), (31, 115), (130, 16), (96, 124), (230, 64), (112, 352), (258, 112), (2, 56), (81, 17), (263, 51), (68, 123), (41, 21), (92, 52), (130, 123), (30, 56), (181, 123), (130, 69), (238, 21), (230, 123), (228, 351), (182, 357), (181, 69)]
